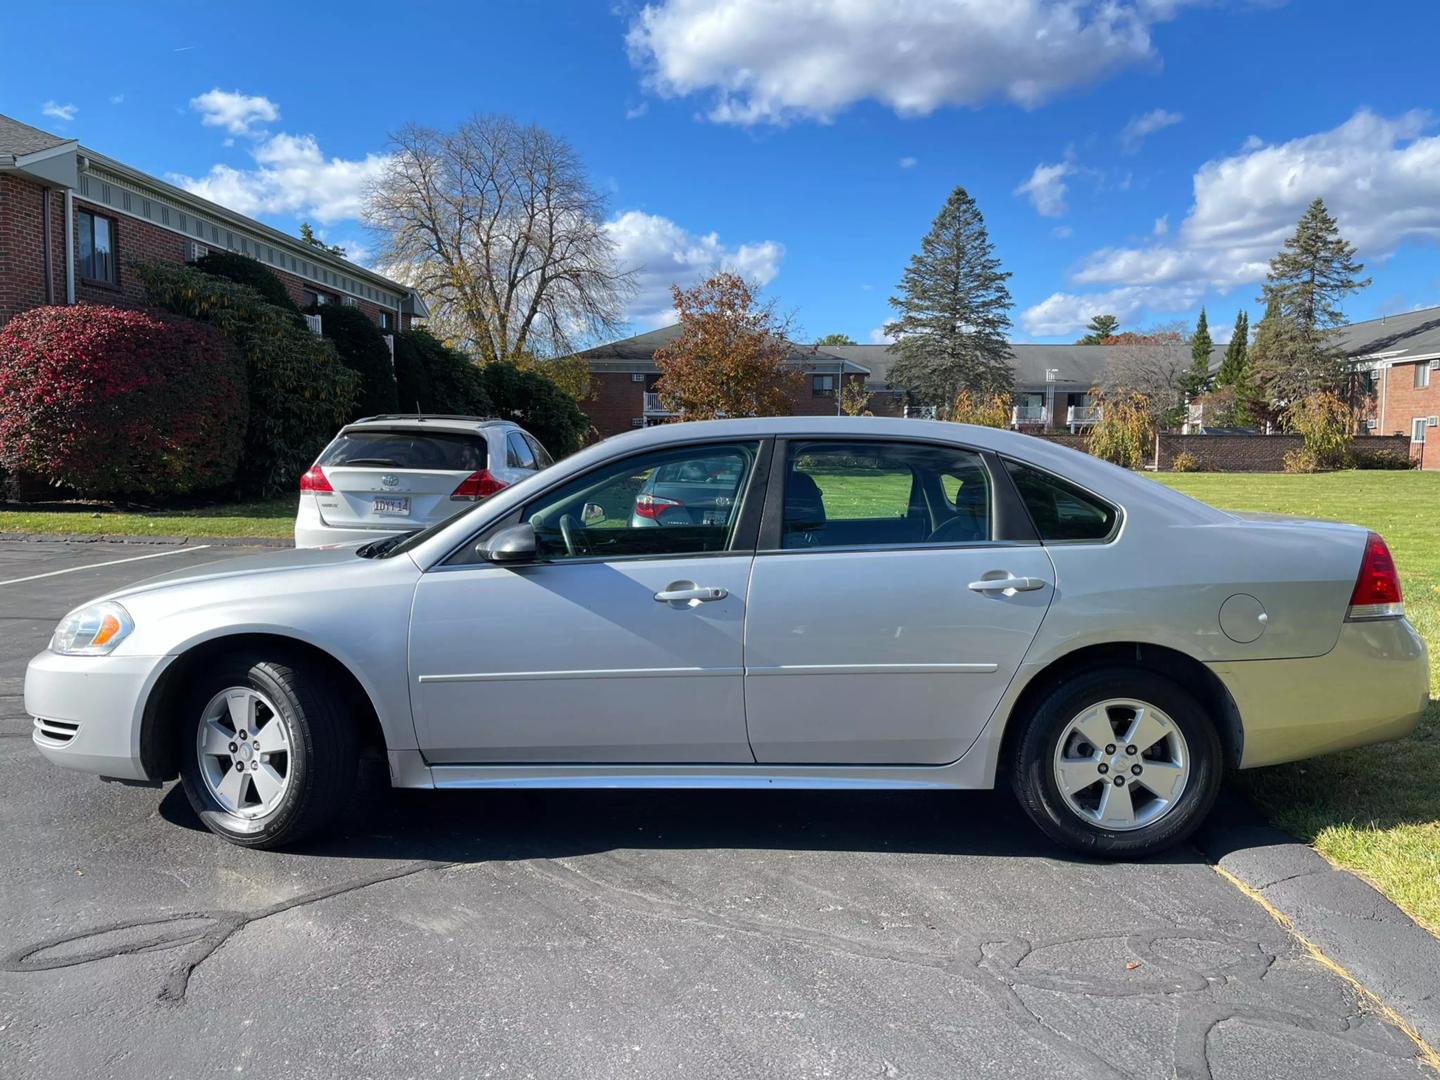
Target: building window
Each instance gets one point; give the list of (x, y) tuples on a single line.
[(97, 248), (822, 385), (1422, 375), (315, 297), (1417, 430), (387, 321)]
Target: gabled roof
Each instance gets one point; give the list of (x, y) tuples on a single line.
[(1410, 335), (637, 353), (19, 140)]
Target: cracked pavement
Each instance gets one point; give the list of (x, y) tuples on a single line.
[(598, 934)]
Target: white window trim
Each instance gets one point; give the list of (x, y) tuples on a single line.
[(1417, 427)]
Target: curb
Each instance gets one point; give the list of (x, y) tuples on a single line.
[(152, 541), (1344, 916)]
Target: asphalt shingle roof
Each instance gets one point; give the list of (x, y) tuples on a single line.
[(17, 139), (1394, 337)]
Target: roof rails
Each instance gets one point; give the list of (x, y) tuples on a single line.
[(427, 416)]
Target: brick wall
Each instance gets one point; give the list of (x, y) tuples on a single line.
[(1240, 453), (22, 273), (1403, 401)]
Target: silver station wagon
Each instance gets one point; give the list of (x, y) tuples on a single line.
[(851, 603)]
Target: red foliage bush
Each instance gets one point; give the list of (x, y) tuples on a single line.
[(108, 401)]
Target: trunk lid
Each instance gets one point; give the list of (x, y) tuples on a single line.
[(397, 479)]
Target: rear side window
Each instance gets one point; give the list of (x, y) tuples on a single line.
[(542, 456), (451, 451), (1060, 510), (520, 456)]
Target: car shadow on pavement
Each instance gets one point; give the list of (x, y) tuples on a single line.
[(480, 826)]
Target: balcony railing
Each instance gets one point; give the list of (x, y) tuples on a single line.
[(653, 406), (1028, 414), (1082, 414)]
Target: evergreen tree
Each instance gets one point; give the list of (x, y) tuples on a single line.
[(1100, 328), (1234, 370), (836, 339), (953, 310), (1294, 354), (1197, 379)]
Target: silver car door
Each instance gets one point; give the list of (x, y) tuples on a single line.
[(624, 644), (886, 621)]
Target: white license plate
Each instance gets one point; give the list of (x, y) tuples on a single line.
[(396, 505)]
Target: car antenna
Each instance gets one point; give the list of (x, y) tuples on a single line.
[(419, 416)]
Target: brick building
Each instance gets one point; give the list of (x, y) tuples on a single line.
[(1399, 355), (1053, 383), (72, 220)]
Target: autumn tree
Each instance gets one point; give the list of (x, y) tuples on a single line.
[(1150, 373), (1100, 328), (953, 310), (835, 339), (1197, 379), (729, 357), (1295, 355), (854, 398), (498, 227)]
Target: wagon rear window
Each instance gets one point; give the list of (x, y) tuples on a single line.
[(407, 450), (1060, 510)]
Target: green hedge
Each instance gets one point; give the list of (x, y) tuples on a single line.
[(300, 393), (538, 405), (432, 377), (362, 349), (244, 270)]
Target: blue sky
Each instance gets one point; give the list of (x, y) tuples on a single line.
[(1137, 156)]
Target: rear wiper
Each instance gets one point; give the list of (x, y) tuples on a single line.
[(367, 461), (378, 549)]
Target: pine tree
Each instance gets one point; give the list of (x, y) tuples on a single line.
[(1100, 328), (1234, 370), (1294, 355), (1197, 380), (953, 310)]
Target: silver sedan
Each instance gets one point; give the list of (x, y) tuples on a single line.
[(868, 604)]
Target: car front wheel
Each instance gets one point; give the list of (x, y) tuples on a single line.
[(267, 757), (1117, 762)]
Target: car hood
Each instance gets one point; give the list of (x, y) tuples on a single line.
[(270, 562)]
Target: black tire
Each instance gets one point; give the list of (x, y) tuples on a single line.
[(1032, 773), (322, 761)]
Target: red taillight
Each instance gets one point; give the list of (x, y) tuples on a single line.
[(315, 480), (652, 506), (478, 485), (1377, 590)]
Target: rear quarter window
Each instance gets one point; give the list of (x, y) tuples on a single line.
[(1061, 511), (450, 451)]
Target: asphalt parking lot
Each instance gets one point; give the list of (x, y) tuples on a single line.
[(616, 934)]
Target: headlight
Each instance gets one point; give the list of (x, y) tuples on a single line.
[(92, 630)]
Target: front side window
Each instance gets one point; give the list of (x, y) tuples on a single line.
[(1061, 511), (97, 248), (543, 460), (682, 501), (866, 494)]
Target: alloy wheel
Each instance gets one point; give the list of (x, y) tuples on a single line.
[(1121, 764), (243, 746)]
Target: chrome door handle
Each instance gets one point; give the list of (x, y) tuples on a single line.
[(695, 594), (1008, 584)]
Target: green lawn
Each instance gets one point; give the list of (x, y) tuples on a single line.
[(273, 518), (1375, 810)]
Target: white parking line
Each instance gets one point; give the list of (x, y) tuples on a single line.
[(112, 562)]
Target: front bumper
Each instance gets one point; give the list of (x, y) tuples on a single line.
[(102, 698), (1371, 687)]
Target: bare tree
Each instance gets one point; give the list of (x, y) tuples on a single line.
[(1149, 369), (497, 226)]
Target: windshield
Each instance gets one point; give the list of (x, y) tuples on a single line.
[(396, 545)]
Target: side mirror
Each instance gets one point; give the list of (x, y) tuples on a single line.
[(515, 544), (593, 514)]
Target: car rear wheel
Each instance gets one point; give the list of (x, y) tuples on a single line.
[(267, 757), (1117, 762)]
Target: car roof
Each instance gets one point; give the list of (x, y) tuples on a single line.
[(427, 422)]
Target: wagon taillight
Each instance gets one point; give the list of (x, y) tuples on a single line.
[(1377, 588)]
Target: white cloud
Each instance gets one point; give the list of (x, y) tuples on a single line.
[(1162, 225), (117, 99), (1046, 188), (1135, 132), (908, 162), (879, 337), (1061, 313), (774, 61), (1380, 177), (56, 111), (1062, 232), (237, 113), (634, 112), (663, 253), (291, 176)]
